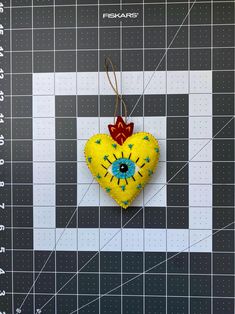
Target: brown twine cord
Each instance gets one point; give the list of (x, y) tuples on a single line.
[(115, 88)]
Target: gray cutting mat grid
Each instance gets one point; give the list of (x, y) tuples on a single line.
[(57, 96)]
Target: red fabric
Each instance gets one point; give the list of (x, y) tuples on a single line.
[(120, 131)]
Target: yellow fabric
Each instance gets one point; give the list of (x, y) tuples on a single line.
[(101, 151)]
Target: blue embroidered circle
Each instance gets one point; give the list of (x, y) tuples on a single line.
[(123, 168)]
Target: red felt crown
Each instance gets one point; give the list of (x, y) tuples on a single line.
[(120, 131)]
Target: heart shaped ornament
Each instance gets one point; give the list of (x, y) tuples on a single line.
[(122, 163)]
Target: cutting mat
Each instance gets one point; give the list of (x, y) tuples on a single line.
[(65, 246)]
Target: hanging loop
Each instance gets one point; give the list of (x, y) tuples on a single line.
[(114, 87)]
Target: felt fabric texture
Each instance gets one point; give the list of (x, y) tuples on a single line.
[(122, 170)]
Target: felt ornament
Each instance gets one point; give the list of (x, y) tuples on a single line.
[(122, 162)]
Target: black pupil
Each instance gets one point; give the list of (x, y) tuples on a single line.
[(123, 168)]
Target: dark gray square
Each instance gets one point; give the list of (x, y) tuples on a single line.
[(111, 304), (177, 218), (132, 304), (22, 150), (223, 217), (154, 105), (132, 37), (135, 7), (106, 105), (155, 217), (21, 40), (177, 59), (43, 39), (5, 174), (177, 14), (43, 17), (6, 83), (66, 150), (110, 217), (87, 16), (177, 127), (177, 172), (66, 195), (21, 62), (223, 150), (65, 16), (223, 36), (66, 261), (155, 262), (223, 127), (223, 306), (223, 13), (132, 262), (88, 283), (223, 59), (200, 36), (66, 172), (223, 195), (223, 81), (223, 104), (88, 217), (200, 59), (40, 259), (71, 300), (110, 262), (114, 55), (177, 285), (134, 286), (110, 282), (22, 106), (223, 286), (177, 105), (20, 277), (66, 128), (132, 60), (67, 284), (110, 38), (87, 38), (177, 38), (5, 193), (22, 128), (6, 39), (154, 60), (6, 129), (177, 195), (26, 256), (22, 173), (155, 284), (199, 305), (43, 62), (45, 283), (21, 17), (223, 241), (23, 239), (223, 172), (88, 106), (23, 216), (65, 61), (223, 263), (87, 61), (65, 39), (65, 106), (154, 14), (200, 263), (201, 13), (155, 305), (5, 62), (154, 37), (84, 299), (133, 218), (200, 285), (177, 264), (66, 217), (23, 194), (177, 150)]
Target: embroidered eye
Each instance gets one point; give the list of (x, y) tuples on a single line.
[(123, 168)]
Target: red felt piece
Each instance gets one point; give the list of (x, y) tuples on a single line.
[(120, 131)]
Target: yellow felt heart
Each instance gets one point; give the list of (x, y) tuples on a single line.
[(122, 170)]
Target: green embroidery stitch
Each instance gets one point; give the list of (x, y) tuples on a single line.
[(89, 159), (123, 187), (147, 159), (98, 141), (130, 146)]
